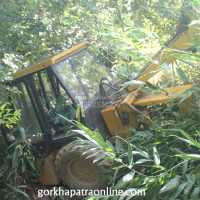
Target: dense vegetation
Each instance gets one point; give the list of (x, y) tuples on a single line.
[(31, 30), (163, 160)]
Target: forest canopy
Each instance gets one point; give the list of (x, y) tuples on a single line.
[(32, 30)]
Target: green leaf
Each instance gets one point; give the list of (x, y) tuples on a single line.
[(118, 145), (125, 180), (143, 153), (177, 192), (94, 154), (3, 106), (118, 91), (115, 176), (86, 151), (146, 90), (195, 193), (130, 155), (151, 72), (185, 140), (156, 156), (191, 180), (134, 75), (3, 169), (190, 156), (173, 183), (23, 133), (185, 166), (23, 166), (31, 162), (19, 191), (193, 142), (133, 82), (17, 113), (114, 36), (186, 55), (166, 67), (110, 144), (94, 137), (142, 161), (198, 133), (197, 88), (15, 157), (99, 158), (181, 74), (139, 59)]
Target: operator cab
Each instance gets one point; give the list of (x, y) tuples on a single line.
[(57, 85)]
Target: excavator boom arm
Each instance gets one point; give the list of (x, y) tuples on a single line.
[(182, 42)]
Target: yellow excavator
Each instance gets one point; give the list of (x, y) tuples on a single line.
[(76, 84)]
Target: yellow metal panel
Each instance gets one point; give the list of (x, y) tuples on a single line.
[(130, 98), (187, 106), (180, 42), (50, 61), (133, 120), (192, 31), (112, 120), (126, 106), (145, 99), (48, 175), (146, 120)]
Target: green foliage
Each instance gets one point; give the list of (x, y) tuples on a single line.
[(158, 160), (65, 110), (95, 137), (17, 168), (45, 27), (7, 116)]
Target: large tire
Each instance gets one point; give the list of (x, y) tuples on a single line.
[(77, 172)]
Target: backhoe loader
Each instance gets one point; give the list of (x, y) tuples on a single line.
[(77, 85)]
